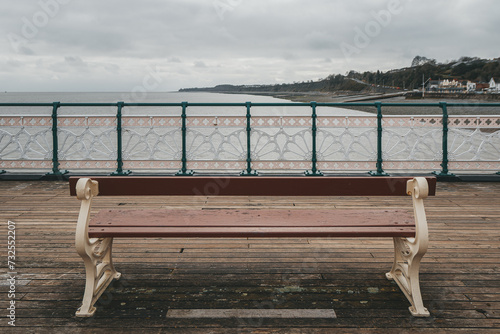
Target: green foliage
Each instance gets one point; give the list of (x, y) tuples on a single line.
[(466, 68)]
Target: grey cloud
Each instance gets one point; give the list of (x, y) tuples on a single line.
[(14, 63), (113, 68), (200, 64), (254, 41), (23, 49), (320, 40), (75, 61)]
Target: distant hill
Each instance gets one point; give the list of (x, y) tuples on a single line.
[(466, 68)]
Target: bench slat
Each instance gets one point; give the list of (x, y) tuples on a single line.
[(252, 186), (247, 232), (252, 223), (251, 218)]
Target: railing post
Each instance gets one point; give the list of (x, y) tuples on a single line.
[(380, 170), (55, 143), (248, 171), (444, 163), (119, 159), (314, 160), (184, 171)]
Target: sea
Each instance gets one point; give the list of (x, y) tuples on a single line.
[(158, 97)]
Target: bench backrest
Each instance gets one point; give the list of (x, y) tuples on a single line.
[(252, 185)]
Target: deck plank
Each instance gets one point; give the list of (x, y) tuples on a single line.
[(460, 274)]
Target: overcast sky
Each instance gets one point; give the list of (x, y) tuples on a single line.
[(164, 45)]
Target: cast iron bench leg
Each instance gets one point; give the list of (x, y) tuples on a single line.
[(409, 251), (96, 253)]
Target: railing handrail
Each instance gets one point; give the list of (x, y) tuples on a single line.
[(374, 115), (254, 104), (378, 106)]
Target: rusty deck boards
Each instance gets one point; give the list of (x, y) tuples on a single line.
[(165, 279)]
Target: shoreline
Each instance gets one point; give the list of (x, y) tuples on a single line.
[(468, 105)]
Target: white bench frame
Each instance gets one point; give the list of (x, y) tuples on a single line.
[(100, 272)]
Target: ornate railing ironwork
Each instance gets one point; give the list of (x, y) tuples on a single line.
[(249, 143)]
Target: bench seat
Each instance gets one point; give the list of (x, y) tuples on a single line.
[(244, 223)]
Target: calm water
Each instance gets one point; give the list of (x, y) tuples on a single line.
[(168, 97)]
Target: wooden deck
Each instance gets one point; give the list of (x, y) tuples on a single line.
[(253, 285)]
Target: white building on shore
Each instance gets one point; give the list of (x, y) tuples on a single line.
[(471, 87), (462, 86), (494, 86)]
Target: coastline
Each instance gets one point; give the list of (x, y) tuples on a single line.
[(468, 104)]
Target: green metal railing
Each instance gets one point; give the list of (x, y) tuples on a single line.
[(184, 170), (119, 152), (380, 171), (55, 143), (248, 171), (314, 129), (248, 105), (444, 164)]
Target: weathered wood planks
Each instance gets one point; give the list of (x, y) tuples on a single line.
[(460, 273)]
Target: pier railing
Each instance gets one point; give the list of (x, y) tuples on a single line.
[(187, 139)]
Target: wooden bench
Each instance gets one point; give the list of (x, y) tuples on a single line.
[(94, 237)]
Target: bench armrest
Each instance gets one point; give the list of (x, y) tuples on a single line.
[(418, 189), (86, 189)]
